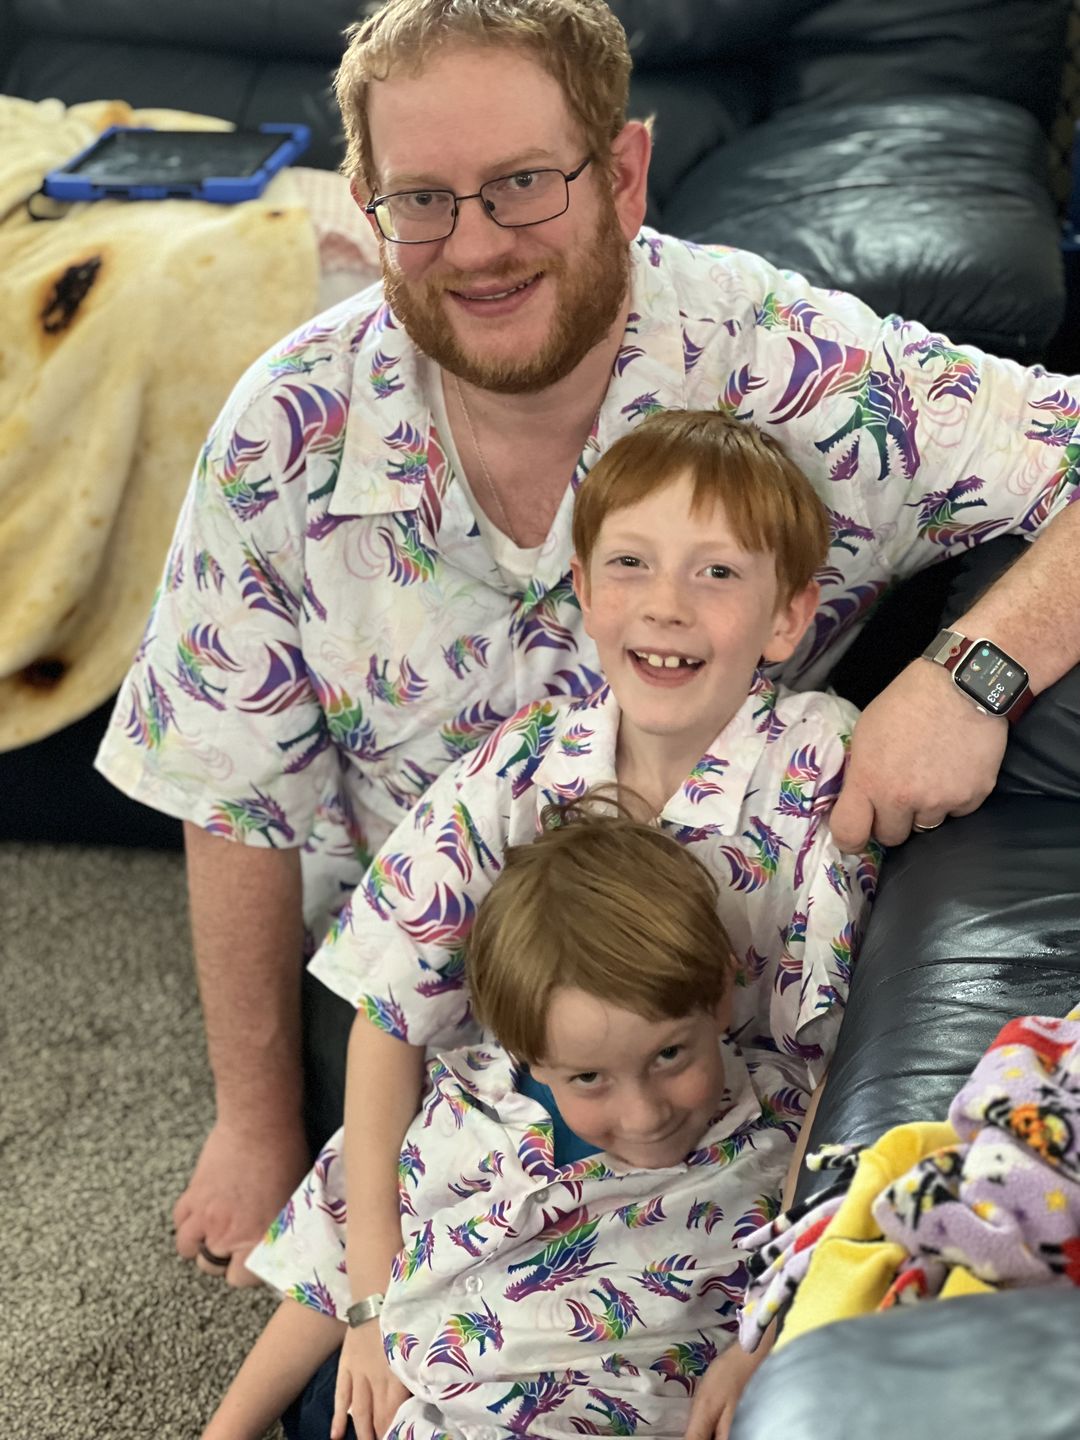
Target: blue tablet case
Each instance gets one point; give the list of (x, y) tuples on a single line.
[(139, 163)]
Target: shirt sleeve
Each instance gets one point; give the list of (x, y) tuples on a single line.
[(919, 447), (832, 898), (398, 951), (218, 721)]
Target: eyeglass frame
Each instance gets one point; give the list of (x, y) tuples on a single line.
[(568, 176)]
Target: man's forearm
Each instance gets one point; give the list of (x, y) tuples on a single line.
[(247, 930), (1033, 610)]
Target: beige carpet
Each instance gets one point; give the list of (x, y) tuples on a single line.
[(104, 1097)]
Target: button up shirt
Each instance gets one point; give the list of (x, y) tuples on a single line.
[(753, 810), (533, 1298), (331, 630)]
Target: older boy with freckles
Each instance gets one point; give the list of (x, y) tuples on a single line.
[(573, 1192), (696, 542)]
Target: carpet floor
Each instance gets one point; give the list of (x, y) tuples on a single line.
[(104, 1099)]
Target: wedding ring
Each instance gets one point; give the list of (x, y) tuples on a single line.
[(220, 1262), (922, 829)]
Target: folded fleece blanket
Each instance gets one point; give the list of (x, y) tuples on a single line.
[(989, 1200), (125, 325)]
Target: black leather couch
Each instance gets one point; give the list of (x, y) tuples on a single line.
[(894, 148)]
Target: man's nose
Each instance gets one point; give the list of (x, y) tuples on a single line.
[(476, 241)]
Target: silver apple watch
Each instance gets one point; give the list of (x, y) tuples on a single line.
[(994, 682)]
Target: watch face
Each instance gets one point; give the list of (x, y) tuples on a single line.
[(990, 677)]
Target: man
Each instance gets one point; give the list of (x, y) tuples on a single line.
[(372, 566)]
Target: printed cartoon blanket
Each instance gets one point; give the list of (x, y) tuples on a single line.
[(125, 325), (989, 1200)]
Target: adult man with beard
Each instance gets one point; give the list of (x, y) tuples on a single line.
[(372, 567)]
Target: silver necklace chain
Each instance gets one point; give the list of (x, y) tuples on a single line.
[(499, 506)]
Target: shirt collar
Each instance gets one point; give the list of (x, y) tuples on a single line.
[(385, 459), (483, 1078), (713, 795), (711, 798), (582, 750)]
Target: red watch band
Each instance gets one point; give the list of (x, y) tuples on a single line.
[(956, 652), (1020, 705)]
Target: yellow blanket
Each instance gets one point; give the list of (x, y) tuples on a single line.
[(853, 1264), (123, 326)]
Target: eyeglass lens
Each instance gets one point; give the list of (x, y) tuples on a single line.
[(526, 198)]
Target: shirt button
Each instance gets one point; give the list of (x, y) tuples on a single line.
[(473, 1284)]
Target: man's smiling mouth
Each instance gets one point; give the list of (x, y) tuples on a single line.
[(479, 297)]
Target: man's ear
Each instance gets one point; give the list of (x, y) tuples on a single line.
[(630, 153), (790, 622), (357, 193)]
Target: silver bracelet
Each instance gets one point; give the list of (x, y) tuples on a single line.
[(364, 1310)]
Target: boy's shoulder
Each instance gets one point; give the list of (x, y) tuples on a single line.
[(531, 731), (807, 739), (796, 718), (816, 710)]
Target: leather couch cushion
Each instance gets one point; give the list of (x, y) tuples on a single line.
[(693, 116), (839, 51), (233, 86), (245, 27), (974, 923), (928, 207)]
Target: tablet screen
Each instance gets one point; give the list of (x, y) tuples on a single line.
[(174, 157)]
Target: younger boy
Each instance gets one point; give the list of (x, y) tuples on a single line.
[(696, 543), (572, 1195)]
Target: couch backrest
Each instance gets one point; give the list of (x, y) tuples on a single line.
[(804, 51), (710, 67), (309, 29), (819, 52)]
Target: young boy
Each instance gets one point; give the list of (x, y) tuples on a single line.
[(572, 1195), (696, 542)]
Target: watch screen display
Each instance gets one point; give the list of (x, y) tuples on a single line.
[(992, 679)]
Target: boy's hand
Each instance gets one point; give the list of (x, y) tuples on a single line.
[(713, 1407), (367, 1389)]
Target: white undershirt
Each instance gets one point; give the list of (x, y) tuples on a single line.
[(517, 564)]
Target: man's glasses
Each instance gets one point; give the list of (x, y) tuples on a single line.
[(528, 197)]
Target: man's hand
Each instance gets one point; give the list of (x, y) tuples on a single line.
[(920, 752), (719, 1389), (367, 1389), (240, 1183)]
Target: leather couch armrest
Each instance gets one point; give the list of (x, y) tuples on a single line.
[(996, 1367)]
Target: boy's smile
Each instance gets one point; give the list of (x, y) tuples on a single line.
[(665, 667), (681, 615)]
